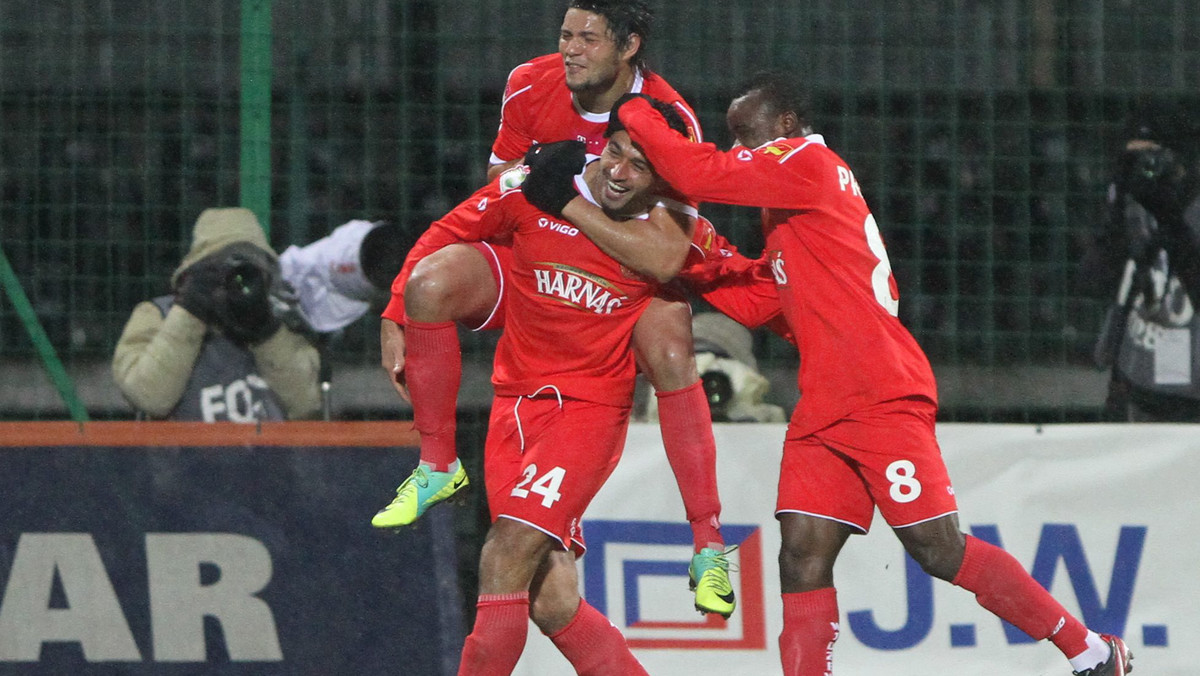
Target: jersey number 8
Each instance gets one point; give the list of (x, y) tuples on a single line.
[(881, 276)]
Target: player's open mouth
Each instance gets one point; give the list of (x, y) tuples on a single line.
[(613, 187)]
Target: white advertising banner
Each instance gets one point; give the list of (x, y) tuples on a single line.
[(1102, 515)]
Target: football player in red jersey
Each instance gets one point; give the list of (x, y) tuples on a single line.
[(862, 435), (562, 96), (564, 379)]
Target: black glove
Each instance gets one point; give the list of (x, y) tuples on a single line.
[(199, 290), (247, 316), (552, 169)]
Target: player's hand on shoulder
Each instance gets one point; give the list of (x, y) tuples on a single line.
[(550, 184)]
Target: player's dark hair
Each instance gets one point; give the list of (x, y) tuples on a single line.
[(382, 252), (669, 113), (624, 18), (782, 93)]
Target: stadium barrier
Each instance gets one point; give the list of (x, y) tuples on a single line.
[(188, 548), (1102, 515)]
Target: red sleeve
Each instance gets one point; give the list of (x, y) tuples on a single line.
[(761, 178), (480, 217), (712, 257), (513, 137), (739, 287), (747, 295)]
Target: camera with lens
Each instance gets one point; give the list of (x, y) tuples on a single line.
[(245, 280), (246, 313)]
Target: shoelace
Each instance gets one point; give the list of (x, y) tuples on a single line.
[(421, 476), (723, 561)]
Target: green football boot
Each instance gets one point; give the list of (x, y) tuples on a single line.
[(709, 578), (422, 489)]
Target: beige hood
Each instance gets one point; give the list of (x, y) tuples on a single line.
[(217, 229)]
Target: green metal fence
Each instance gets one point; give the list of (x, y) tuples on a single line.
[(981, 133)]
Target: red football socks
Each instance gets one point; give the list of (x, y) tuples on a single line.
[(433, 370), (686, 425), (810, 627), (594, 646), (1002, 586), (498, 639)]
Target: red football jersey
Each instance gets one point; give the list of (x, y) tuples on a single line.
[(827, 257), (538, 108), (571, 308), (739, 287)]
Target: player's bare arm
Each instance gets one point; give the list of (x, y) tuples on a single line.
[(495, 170), (655, 247), (391, 350)]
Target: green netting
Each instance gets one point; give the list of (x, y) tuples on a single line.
[(980, 132)]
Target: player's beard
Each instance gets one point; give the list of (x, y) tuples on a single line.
[(597, 79), (628, 208), (590, 87)]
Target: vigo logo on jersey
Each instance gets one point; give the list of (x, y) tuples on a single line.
[(562, 228), (577, 288)]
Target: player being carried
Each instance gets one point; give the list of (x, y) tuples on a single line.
[(562, 96), (562, 406)]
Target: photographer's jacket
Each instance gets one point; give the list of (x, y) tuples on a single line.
[(170, 364), (1153, 331)]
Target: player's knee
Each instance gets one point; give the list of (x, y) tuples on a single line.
[(513, 550), (938, 559), (670, 364), (802, 570), (429, 293)]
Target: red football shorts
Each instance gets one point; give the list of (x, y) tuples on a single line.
[(547, 457), (499, 258), (885, 456)]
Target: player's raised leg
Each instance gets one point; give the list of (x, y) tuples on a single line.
[(1002, 585), (456, 283), (662, 340)]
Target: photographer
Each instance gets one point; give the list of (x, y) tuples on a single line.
[(216, 348), (1150, 253)]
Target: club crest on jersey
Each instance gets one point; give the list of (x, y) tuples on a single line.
[(577, 288), (778, 150)]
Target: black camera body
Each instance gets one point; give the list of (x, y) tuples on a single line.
[(246, 282)]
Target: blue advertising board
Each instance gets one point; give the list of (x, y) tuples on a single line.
[(223, 559)]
